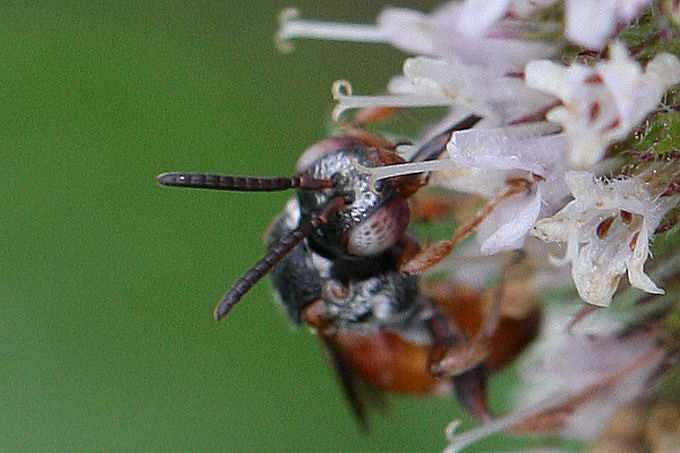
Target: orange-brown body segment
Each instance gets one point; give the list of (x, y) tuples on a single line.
[(388, 362)]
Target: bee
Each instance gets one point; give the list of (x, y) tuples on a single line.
[(333, 256)]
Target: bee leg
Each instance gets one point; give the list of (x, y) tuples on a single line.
[(453, 356), (436, 252), (452, 351)]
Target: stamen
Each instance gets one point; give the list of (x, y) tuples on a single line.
[(342, 92), (291, 28), (458, 442), (409, 168), (433, 254)]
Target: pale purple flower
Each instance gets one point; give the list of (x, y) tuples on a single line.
[(451, 82), (604, 103), (468, 31), (565, 362), (607, 228), (587, 373), (590, 23), (478, 16), (507, 153)]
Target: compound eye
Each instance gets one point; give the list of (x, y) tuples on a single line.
[(379, 185), (381, 230)]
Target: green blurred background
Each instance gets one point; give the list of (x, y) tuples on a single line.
[(107, 341)]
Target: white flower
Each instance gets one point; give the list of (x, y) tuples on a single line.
[(590, 23), (573, 381), (478, 16), (602, 104), (473, 31), (563, 362), (607, 228), (501, 154), (451, 82)]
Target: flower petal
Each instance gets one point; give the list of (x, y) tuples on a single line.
[(508, 148), (479, 15), (420, 37), (589, 23), (636, 273), (507, 226), (596, 278)]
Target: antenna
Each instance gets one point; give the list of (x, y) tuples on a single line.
[(278, 251), (241, 183)]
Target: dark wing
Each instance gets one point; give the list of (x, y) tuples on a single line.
[(358, 393), (436, 146)]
